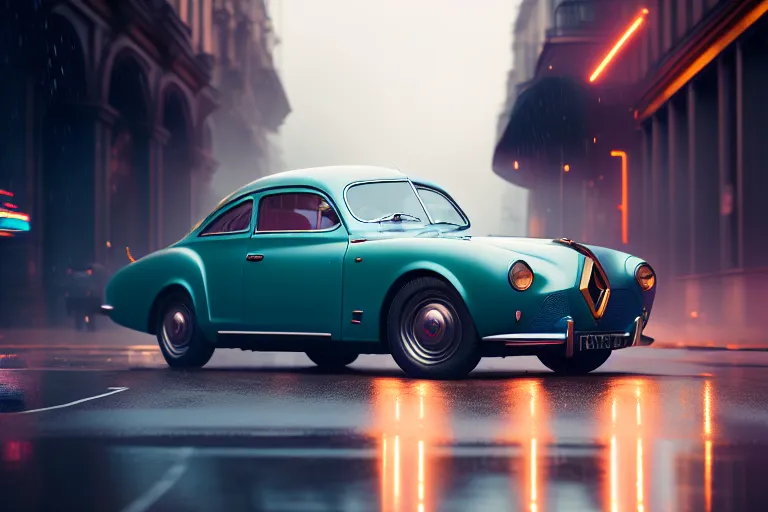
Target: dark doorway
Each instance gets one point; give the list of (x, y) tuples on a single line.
[(177, 166), (66, 177), (128, 167)]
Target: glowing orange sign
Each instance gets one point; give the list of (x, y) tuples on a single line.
[(624, 195), (619, 45)]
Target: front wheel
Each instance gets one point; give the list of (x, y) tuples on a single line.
[(179, 337), (331, 361), (580, 364), (430, 331)]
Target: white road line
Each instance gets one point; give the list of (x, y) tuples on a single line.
[(70, 404), (166, 482)]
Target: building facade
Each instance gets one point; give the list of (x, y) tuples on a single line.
[(106, 116), (651, 113)]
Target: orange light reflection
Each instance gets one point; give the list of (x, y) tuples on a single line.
[(527, 426), (626, 444), (708, 446), (409, 419)]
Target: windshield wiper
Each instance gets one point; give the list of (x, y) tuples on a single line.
[(397, 217)]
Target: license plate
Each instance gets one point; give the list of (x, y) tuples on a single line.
[(602, 341)]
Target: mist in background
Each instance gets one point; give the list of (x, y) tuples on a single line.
[(416, 84)]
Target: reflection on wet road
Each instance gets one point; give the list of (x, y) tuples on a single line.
[(657, 430)]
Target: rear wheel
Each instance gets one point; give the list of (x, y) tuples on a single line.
[(430, 331), (181, 341), (580, 364), (331, 361)]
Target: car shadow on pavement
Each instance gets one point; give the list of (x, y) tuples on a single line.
[(481, 375)]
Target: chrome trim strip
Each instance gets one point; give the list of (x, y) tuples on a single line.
[(569, 338), (637, 335), (523, 337), (280, 231), (279, 333), (421, 202)]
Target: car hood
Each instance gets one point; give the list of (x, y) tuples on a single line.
[(541, 248), (613, 261)]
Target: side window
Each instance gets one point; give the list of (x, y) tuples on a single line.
[(440, 208), (234, 220), (295, 212)]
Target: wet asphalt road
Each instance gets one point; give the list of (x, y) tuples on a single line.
[(654, 429)]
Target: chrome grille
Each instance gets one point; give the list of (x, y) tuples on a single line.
[(553, 308), (594, 284)]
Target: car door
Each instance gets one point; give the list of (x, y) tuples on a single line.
[(294, 265), (221, 245)]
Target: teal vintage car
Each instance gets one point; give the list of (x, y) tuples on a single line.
[(342, 261)]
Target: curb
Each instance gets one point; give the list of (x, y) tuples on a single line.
[(93, 348), (712, 348)]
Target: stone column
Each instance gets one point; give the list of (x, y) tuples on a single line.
[(644, 185), (726, 152), (658, 206), (103, 116), (203, 169), (158, 139), (678, 190)]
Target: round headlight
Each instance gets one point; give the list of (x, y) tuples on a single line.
[(645, 276), (520, 276)]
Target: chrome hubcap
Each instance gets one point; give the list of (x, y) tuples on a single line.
[(431, 333), (176, 331)]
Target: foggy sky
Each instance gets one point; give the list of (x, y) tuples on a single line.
[(416, 84)]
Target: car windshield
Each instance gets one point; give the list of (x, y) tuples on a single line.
[(371, 201), (383, 201)]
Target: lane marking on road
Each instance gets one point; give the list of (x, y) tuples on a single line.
[(76, 402), (162, 486)]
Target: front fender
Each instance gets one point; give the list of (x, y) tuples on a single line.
[(479, 274)]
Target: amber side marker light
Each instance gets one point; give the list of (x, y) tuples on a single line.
[(619, 45), (128, 253)]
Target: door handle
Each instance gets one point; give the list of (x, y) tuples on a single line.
[(254, 257)]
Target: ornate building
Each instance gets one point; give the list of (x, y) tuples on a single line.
[(253, 102), (641, 129), (108, 139)]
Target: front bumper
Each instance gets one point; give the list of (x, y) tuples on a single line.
[(571, 340)]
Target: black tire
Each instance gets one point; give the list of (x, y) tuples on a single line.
[(332, 361), (181, 341), (581, 363), (445, 345)]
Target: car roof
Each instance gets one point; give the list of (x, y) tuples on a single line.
[(331, 178)]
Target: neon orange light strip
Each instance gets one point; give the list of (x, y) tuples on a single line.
[(14, 215), (624, 195), (705, 58), (617, 47)]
